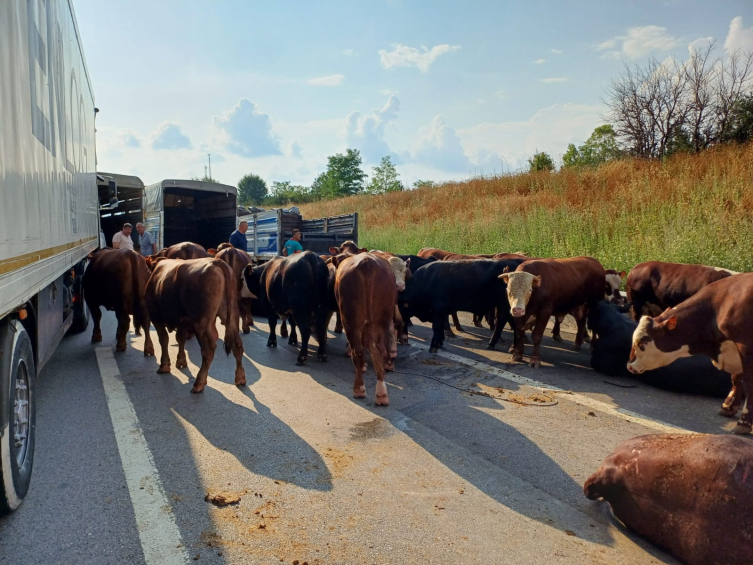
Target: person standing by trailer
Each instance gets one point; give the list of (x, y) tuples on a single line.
[(293, 245), (146, 241), (238, 237), (122, 239)]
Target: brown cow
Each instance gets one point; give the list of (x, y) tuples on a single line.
[(366, 294), (238, 259), (654, 286), (347, 247), (188, 296), (689, 494), (116, 279), (221, 247), (546, 287), (186, 250), (717, 321)]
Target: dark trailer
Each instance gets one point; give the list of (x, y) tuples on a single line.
[(190, 210), (121, 199)]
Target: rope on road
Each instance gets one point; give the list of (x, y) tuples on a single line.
[(553, 401)]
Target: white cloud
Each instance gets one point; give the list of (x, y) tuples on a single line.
[(389, 92), (404, 56), (439, 146), (553, 79), (366, 133), (169, 136), (295, 150), (738, 37), (331, 80), (348, 52), (556, 51), (247, 132), (117, 139), (539, 61), (700, 44), (639, 42)]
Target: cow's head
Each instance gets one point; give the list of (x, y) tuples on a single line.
[(656, 344), (153, 260), (612, 288), (400, 270), (520, 286), (347, 247), (250, 281)]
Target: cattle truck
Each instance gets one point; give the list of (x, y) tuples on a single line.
[(189, 210), (49, 220), (268, 230), (121, 200)]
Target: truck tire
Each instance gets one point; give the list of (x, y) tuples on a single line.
[(18, 414)]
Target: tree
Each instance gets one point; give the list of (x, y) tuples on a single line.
[(423, 184), (205, 178), (740, 124), (343, 177), (599, 148), (251, 189), (384, 178), (284, 192), (540, 162)]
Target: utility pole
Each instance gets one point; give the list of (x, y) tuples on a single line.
[(210, 164), (205, 171)]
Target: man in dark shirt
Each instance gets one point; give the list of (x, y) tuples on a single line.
[(238, 237)]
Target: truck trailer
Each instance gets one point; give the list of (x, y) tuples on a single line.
[(49, 220)]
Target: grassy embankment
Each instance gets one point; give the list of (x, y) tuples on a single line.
[(690, 209)]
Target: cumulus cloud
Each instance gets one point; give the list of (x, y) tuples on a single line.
[(700, 44), (739, 38), (422, 59), (639, 42), (439, 146), (168, 135), (539, 61), (247, 132), (556, 51), (348, 52), (553, 79), (295, 150), (117, 139), (331, 80), (366, 133)]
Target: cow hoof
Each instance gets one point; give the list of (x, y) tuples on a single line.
[(490, 346), (181, 364), (246, 330), (292, 341), (149, 352), (197, 390), (517, 357), (557, 337), (240, 380), (300, 361), (528, 341), (359, 393), (321, 357), (535, 363), (727, 412), (741, 429), (390, 366), (433, 349), (449, 335), (575, 347), (382, 400), (120, 348), (272, 343), (163, 369), (587, 339), (403, 340), (96, 338), (137, 331), (338, 330)]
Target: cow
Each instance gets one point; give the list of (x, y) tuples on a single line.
[(655, 286), (717, 321), (443, 255), (222, 246), (611, 351), (294, 287), (238, 260), (185, 251), (347, 247), (400, 268), (546, 287), (187, 297), (690, 494), (614, 282), (440, 288), (366, 294), (116, 279)]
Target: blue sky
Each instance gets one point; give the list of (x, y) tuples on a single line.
[(448, 89)]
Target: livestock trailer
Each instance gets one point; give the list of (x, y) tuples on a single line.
[(49, 220), (268, 231), (121, 200), (189, 210)]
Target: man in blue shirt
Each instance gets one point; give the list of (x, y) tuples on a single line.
[(293, 245), (238, 237), (146, 241)]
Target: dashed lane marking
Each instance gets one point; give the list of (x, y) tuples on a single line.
[(159, 535)]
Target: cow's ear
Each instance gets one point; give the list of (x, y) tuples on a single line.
[(212, 251), (407, 263), (671, 323), (505, 277), (334, 250), (622, 274), (506, 269), (536, 282), (334, 260), (248, 270), (363, 250)]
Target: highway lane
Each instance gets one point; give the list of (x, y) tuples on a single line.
[(442, 475)]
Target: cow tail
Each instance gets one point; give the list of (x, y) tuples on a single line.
[(139, 301), (232, 312)]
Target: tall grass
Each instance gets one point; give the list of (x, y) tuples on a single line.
[(688, 209)]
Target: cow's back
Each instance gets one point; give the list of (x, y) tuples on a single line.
[(365, 283), (112, 276), (566, 283), (237, 259), (186, 250), (669, 284)]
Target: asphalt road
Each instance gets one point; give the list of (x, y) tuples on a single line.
[(442, 475)]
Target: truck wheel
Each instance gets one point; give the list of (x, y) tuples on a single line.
[(18, 414)]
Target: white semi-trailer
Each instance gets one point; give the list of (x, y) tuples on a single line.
[(49, 220)]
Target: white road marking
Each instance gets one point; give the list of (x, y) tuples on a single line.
[(571, 396), (159, 535)]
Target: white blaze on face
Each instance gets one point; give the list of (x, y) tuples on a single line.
[(398, 269), (245, 292), (614, 282), (647, 355), (520, 286)]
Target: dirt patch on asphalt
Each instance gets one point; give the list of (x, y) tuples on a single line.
[(378, 428)]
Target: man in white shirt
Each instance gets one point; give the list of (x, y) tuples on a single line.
[(122, 239)]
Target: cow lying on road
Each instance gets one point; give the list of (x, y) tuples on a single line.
[(611, 351), (366, 294), (689, 494), (654, 286), (116, 279), (187, 297), (546, 287), (294, 287), (717, 321)]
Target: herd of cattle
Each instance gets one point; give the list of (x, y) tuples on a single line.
[(701, 316)]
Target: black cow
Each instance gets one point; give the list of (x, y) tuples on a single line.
[(416, 262), (295, 287), (438, 289), (695, 375)]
